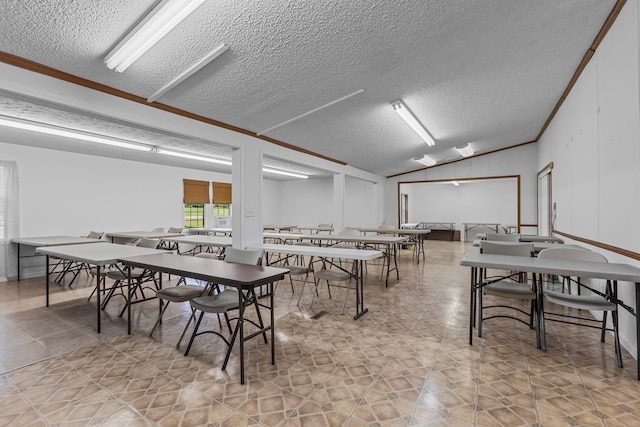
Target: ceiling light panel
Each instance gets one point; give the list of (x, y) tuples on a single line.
[(149, 31), (413, 122), (71, 133)]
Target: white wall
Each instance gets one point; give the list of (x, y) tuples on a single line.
[(302, 202), (515, 161), (361, 203), (64, 193), (594, 144), (482, 201)]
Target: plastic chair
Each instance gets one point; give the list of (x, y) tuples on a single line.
[(512, 286), (227, 300), (597, 301), (170, 246), (140, 275), (514, 237)]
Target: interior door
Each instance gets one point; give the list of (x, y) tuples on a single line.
[(545, 226)]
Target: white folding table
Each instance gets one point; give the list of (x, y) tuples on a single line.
[(356, 255), (130, 236), (416, 235), (38, 242), (98, 254), (390, 243), (200, 240), (538, 266)]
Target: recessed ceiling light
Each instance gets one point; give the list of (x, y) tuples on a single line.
[(425, 160), (465, 150)]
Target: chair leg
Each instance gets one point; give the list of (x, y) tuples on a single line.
[(614, 317), (344, 304), (191, 318), (302, 290), (159, 318), (603, 331), (193, 334), (315, 291), (481, 314)]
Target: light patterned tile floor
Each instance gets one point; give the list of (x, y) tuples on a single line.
[(407, 362)]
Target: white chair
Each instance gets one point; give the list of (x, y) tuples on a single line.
[(597, 301), (334, 276), (513, 237), (170, 246), (227, 300), (141, 276), (513, 286), (325, 225)]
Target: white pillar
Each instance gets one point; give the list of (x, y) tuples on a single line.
[(246, 181), (339, 184)]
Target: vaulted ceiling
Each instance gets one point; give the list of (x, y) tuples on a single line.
[(320, 75)]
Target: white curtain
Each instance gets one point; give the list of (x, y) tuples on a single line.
[(9, 219)]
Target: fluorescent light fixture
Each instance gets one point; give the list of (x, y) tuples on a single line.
[(70, 133), (188, 72), (283, 172), (411, 120), (465, 150), (425, 160), (456, 183), (192, 156), (149, 31)]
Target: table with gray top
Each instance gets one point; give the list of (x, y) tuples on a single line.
[(328, 252), (98, 254), (38, 242), (538, 266), (243, 277)]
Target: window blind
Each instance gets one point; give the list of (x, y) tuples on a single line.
[(196, 191), (222, 192)]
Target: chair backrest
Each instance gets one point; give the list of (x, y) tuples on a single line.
[(149, 243), (506, 248), (95, 235), (325, 225), (174, 230), (515, 237), (349, 232), (243, 256), (157, 230), (572, 254), (208, 255)]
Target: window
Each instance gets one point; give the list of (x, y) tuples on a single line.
[(221, 209), (193, 215), (196, 195)]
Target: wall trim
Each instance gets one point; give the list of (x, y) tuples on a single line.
[(610, 248)]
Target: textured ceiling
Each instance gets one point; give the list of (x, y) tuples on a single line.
[(488, 72)]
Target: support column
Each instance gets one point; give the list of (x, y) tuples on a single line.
[(246, 188), (339, 185)]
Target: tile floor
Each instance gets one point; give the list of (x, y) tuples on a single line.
[(407, 362)]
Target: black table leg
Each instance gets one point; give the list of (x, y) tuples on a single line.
[(97, 297)]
